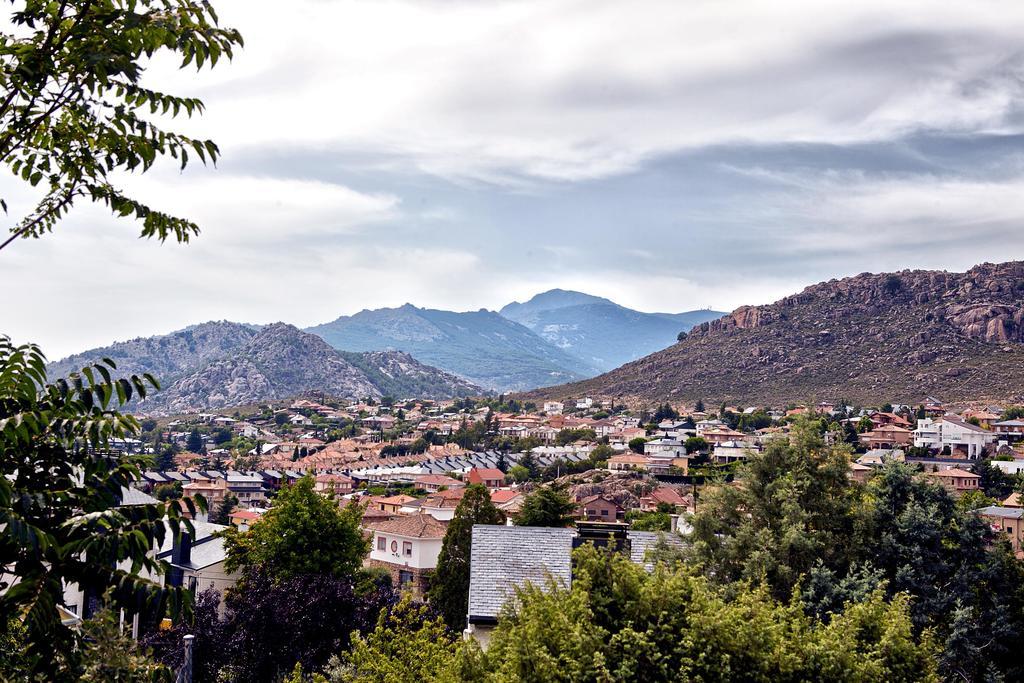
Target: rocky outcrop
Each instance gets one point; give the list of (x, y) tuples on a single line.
[(871, 337), (167, 357), (278, 361)]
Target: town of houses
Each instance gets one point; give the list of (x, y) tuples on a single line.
[(409, 465)]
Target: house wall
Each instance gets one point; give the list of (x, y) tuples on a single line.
[(593, 510), (214, 576), (424, 551), (1009, 526)]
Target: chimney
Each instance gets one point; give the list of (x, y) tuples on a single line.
[(603, 535), (181, 554)]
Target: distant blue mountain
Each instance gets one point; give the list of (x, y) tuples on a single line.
[(481, 346), (599, 332)]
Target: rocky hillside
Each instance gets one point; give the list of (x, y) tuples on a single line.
[(399, 375), (874, 337), (600, 332), (282, 361), (481, 346), (167, 356)]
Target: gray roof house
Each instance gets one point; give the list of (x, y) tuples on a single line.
[(504, 558)]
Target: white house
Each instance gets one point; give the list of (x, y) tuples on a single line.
[(709, 425), (665, 447), (954, 433), (584, 403), (553, 407), (407, 547)]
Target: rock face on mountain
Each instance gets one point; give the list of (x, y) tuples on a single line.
[(281, 361), (600, 332), (216, 365), (399, 375), (168, 356), (873, 337), (481, 346)]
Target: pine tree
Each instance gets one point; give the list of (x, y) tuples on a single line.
[(194, 443), (547, 506), (449, 593), (222, 515)]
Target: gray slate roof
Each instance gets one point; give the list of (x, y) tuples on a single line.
[(504, 558), (640, 542), (997, 511)]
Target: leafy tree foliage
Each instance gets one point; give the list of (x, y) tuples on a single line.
[(619, 622), (994, 482), (599, 455), (302, 533), (650, 521), (637, 445), (406, 645), (791, 508), (664, 412), (696, 444), (222, 515), (110, 654), (73, 112), (568, 436), (793, 522), (194, 442), (271, 623), (547, 506), (449, 592), (60, 490), (170, 491)]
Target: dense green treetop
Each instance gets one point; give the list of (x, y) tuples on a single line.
[(304, 532), (547, 506)]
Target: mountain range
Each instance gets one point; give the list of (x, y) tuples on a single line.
[(555, 337), (899, 337), (402, 352), (600, 332), (481, 346)]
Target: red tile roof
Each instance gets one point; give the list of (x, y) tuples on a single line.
[(503, 496)]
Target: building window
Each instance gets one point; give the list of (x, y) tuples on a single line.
[(382, 543), (404, 578), (394, 546), (407, 548), (604, 513)]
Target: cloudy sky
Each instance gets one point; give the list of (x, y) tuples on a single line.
[(456, 154)]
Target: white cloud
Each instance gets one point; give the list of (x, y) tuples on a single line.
[(573, 89), (560, 98)]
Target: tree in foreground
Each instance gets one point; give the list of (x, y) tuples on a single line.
[(406, 645), (271, 623), (303, 533), (547, 506), (620, 622), (449, 592), (61, 521), (73, 113), (792, 521)]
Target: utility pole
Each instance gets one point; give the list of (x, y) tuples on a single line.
[(185, 672)]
